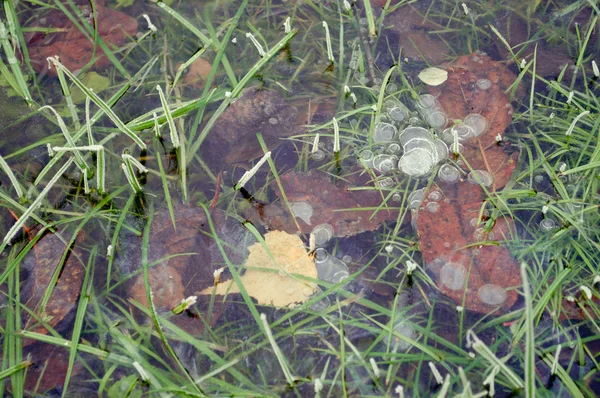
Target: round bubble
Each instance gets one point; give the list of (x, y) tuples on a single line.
[(547, 224), (483, 84), (448, 173), (394, 149), (323, 233), (441, 149), (391, 88), (432, 207), (416, 163), (423, 143), (318, 155), (366, 155), (397, 197), (384, 163), (492, 294), (398, 113), (477, 122), (427, 101), (481, 177), (385, 182), (415, 198), (453, 276), (435, 196), (436, 119), (321, 255), (384, 132), (413, 132), (462, 131)]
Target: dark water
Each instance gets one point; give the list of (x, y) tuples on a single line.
[(533, 210)]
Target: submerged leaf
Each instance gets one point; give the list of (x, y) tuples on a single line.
[(277, 285), (433, 76)]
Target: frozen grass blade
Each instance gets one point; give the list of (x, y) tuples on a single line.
[(63, 128), (13, 180), (188, 25), (101, 104), (127, 166), (330, 57), (250, 173), (529, 336), (277, 351), (170, 122), (17, 76)]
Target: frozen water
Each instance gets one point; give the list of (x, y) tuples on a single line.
[(491, 294), (453, 276)]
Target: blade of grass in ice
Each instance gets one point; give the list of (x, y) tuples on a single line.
[(188, 25), (529, 335), (370, 18), (11, 176), (186, 64), (115, 236), (165, 184), (67, 95), (14, 369), (238, 89), (11, 58), (172, 129), (63, 128), (86, 289), (101, 104)]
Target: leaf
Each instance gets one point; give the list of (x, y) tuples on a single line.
[(278, 287), (93, 81), (433, 76)]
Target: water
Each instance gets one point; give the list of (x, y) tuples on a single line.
[(413, 165)]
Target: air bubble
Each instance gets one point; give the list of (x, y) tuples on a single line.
[(384, 163), (413, 132), (385, 182), (384, 132), (481, 177), (435, 196), (398, 114), (415, 198), (547, 224), (397, 197), (427, 101), (394, 149), (484, 84), (391, 88), (453, 276), (492, 294), (432, 207), (273, 120), (318, 155), (436, 119), (302, 210), (448, 173), (477, 122), (323, 233), (463, 132), (416, 163)]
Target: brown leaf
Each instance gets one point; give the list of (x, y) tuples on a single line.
[(41, 263), (73, 47), (412, 32), (197, 72), (349, 212)]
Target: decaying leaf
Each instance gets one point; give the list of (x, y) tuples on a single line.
[(348, 211), (74, 49), (278, 287), (197, 72), (469, 264), (433, 76)]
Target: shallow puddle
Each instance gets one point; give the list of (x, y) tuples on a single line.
[(299, 198)]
